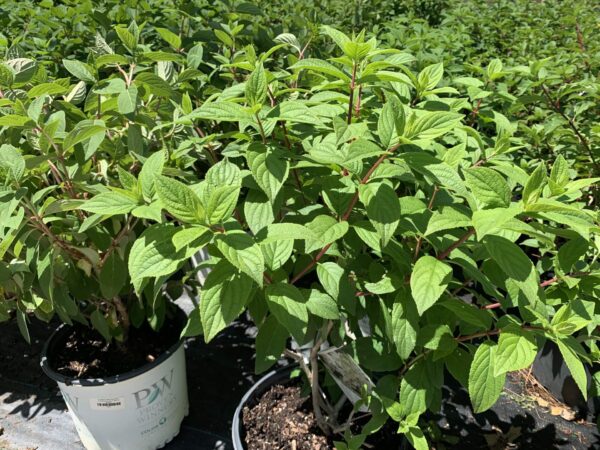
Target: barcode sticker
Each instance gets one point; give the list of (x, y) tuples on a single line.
[(113, 404)]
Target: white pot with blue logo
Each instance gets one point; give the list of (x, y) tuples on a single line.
[(141, 409)]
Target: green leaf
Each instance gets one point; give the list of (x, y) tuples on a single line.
[(391, 122), (14, 120), (276, 253), (179, 200), (492, 221), (242, 252), (489, 187), (447, 219), (430, 76), (171, 38), (100, 323), (405, 325), (269, 169), (128, 39), (111, 203), (46, 89), (417, 439), (320, 66), (83, 132), (418, 386), (222, 203), (127, 100), (383, 209), (256, 86), (516, 350), (12, 160), (484, 386), (322, 305), (113, 276), (574, 364), (219, 111), (536, 182), (153, 254), (79, 70), (151, 169), (258, 210), (224, 296), (432, 125), (288, 305), (270, 343), (428, 281), (323, 230), (195, 56), (509, 256)]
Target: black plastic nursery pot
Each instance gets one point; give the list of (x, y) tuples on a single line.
[(142, 408)]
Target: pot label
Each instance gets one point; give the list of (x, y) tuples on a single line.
[(112, 404)]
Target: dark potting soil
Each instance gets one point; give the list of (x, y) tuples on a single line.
[(86, 354), (283, 420)]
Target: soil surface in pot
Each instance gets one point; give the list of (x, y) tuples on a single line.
[(86, 354), (283, 419)]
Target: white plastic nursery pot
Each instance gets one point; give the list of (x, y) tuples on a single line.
[(140, 409)]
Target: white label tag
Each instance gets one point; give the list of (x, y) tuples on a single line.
[(347, 373), (112, 404)]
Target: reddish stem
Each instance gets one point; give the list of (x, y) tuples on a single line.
[(457, 244)]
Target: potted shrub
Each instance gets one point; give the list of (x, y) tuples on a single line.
[(82, 144), (355, 211)]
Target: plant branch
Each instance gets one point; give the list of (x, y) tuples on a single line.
[(457, 244), (429, 206), (351, 97), (582, 139), (346, 214)]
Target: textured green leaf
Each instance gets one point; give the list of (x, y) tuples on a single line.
[(322, 305), (79, 70), (151, 169), (516, 350), (153, 254), (326, 230), (383, 209), (242, 252), (179, 200), (111, 203), (320, 66), (536, 182), (256, 86), (484, 386), (270, 343), (171, 38), (223, 298), (489, 187), (574, 364), (391, 122), (405, 325), (269, 169), (288, 304), (127, 100), (432, 125), (428, 281)]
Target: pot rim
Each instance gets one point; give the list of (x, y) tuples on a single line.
[(63, 329), (271, 378)]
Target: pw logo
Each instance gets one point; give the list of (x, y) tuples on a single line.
[(146, 397)]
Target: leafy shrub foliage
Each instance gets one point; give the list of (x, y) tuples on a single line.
[(423, 201)]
